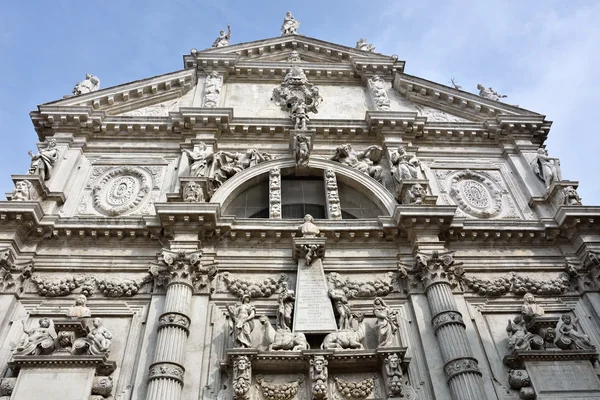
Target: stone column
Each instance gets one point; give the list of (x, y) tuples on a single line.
[(438, 273), (179, 271)]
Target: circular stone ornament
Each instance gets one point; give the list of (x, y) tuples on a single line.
[(121, 190), (476, 194)]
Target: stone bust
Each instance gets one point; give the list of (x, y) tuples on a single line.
[(308, 228), (79, 310)]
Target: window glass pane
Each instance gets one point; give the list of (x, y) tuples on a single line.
[(251, 203), (356, 204), (301, 196)]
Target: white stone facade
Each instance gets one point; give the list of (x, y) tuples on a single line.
[(175, 205)]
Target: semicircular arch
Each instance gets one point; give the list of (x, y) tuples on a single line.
[(347, 175)]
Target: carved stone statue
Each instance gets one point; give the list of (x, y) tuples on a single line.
[(366, 161), (285, 308), (319, 375), (22, 191), (308, 228), (349, 338), (395, 378), (192, 193), (530, 310), (301, 150), (242, 321), (568, 337), (97, 342), (489, 93), (404, 166), (200, 159), (228, 164), (79, 310), (223, 39), (518, 336), (40, 340), (294, 56), (340, 303), (546, 168), (90, 84), (416, 194), (380, 97), (387, 322), (43, 162), (570, 197), (297, 96), (364, 46), (283, 339), (290, 25), (242, 378), (212, 90)]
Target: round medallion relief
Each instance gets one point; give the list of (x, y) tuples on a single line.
[(475, 194), (121, 190)]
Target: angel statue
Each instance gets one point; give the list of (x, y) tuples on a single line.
[(568, 337), (518, 336), (241, 321), (223, 39), (97, 341), (290, 24), (40, 340)]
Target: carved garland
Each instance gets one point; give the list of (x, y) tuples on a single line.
[(88, 285), (357, 288), (355, 390), (284, 391), (115, 193), (476, 194), (519, 285), (240, 287)]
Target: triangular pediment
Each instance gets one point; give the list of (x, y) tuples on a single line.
[(279, 49)]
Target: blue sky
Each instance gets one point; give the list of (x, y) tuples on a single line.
[(542, 54)]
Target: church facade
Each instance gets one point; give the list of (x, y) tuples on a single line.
[(294, 219)]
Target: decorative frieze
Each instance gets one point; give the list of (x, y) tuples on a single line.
[(517, 284), (332, 195), (275, 193), (378, 93), (262, 287), (212, 90), (166, 371)]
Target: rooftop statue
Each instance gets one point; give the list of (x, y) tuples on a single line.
[(489, 93), (43, 162), (223, 39), (290, 24), (364, 46), (90, 84), (545, 167)]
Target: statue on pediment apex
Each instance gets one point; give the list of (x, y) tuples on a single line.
[(290, 24), (364, 46), (223, 39)]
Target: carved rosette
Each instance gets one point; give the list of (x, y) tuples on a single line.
[(332, 195), (275, 193), (476, 194), (166, 371), (121, 191), (176, 320)]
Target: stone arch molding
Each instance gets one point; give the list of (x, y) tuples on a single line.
[(359, 181)]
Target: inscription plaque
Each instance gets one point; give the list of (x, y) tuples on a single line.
[(54, 384), (574, 379), (313, 311)]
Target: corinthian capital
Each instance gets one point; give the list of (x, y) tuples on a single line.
[(437, 267), (182, 267)]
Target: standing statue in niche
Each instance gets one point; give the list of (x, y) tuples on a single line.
[(22, 191), (571, 197), (546, 168), (241, 321), (568, 337), (404, 166), (43, 162), (79, 310), (364, 46), (97, 342), (40, 340), (200, 159), (90, 84), (489, 93), (301, 150), (366, 161), (212, 90), (290, 24), (319, 374), (223, 39), (340, 303), (387, 322), (285, 308)]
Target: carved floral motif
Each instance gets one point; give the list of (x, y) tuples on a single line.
[(353, 288), (63, 287), (378, 93), (166, 371), (476, 194), (182, 266), (275, 193), (253, 288), (120, 287), (212, 90), (283, 391), (518, 285), (355, 390), (121, 191)]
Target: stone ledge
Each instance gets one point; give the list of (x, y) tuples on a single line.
[(517, 358), (100, 363)]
